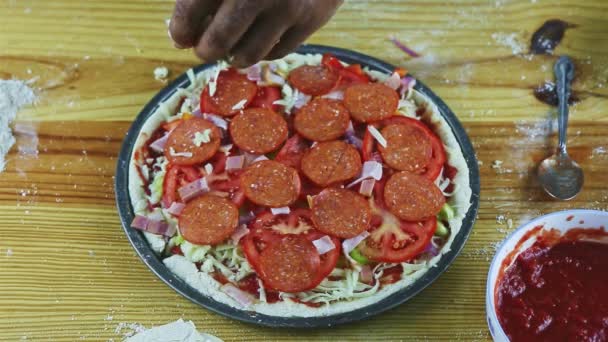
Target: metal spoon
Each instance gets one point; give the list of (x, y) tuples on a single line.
[(560, 176)]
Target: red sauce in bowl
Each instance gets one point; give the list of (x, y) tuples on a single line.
[(556, 290)]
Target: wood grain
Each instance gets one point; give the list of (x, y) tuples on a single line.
[(67, 271)]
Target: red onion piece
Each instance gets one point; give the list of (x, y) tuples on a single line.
[(176, 208), (367, 187), (238, 234), (193, 189), (216, 120), (431, 248), (270, 78), (349, 244), (159, 144), (394, 81), (350, 127), (153, 226), (352, 139), (160, 228), (371, 169), (301, 99), (335, 95), (259, 158), (324, 245), (366, 274), (250, 157), (156, 215), (254, 72), (404, 48), (240, 296), (235, 162), (406, 84), (197, 112), (139, 222), (279, 211)]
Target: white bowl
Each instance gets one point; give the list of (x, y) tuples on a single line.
[(562, 221)]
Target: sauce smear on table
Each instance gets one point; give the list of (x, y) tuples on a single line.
[(556, 290)]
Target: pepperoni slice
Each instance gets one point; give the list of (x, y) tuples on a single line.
[(322, 120), (370, 102), (232, 89), (208, 220), (258, 130), (412, 197), (331, 162), (181, 148), (408, 148), (341, 213), (313, 80), (290, 265), (271, 183)]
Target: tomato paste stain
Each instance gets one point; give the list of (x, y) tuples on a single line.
[(548, 36), (544, 41), (547, 93), (569, 218)]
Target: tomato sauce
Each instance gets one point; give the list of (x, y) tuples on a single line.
[(556, 290)]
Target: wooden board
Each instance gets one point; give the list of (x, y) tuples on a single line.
[(67, 271)]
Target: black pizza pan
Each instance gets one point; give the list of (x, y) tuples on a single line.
[(156, 265)]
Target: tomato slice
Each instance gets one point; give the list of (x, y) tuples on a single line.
[(367, 148), (218, 161), (392, 239), (169, 126), (331, 62), (176, 177), (329, 259), (352, 74), (267, 229), (438, 159), (229, 184), (398, 241), (292, 151), (392, 275), (349, 75), (265, 98)]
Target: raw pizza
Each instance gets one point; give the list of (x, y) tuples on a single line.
[(298, 187)]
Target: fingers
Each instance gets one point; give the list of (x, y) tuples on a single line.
[(297, 34), (189, 20), (259, 40), (231, 21), (289, 42)]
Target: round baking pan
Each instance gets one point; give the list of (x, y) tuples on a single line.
[(155, 263)]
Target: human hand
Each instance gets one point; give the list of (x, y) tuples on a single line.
[(247, 30)]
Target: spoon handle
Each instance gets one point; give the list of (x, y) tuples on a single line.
[(564, 73)]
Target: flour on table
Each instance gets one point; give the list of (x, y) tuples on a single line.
[(161, 73), (599, 151), (178, 331), (510, 40), (129, 329), (14, 94)]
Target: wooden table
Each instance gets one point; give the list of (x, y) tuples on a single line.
[(67, 271)]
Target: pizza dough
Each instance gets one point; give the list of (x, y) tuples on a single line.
[(207, 285)]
